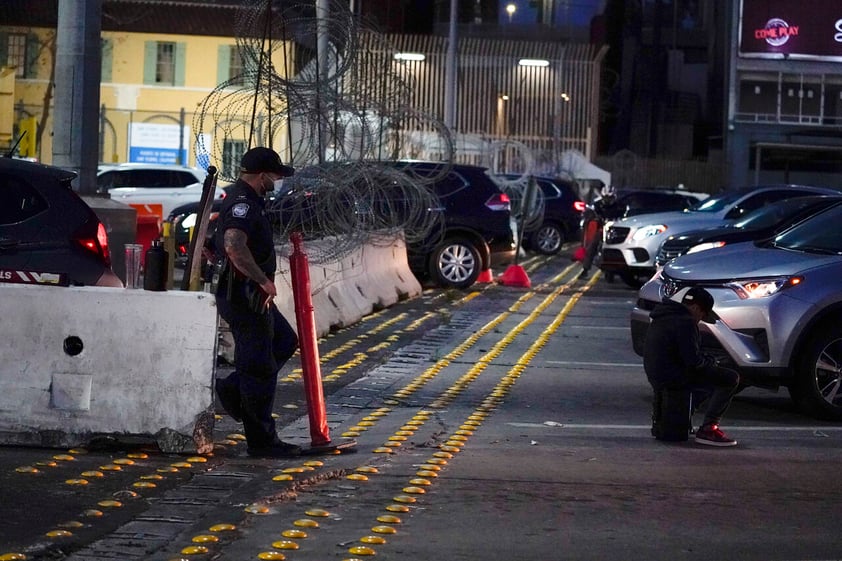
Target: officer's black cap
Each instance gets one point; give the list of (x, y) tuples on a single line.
[(264, 160)]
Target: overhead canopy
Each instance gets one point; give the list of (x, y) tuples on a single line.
[(577, 165)]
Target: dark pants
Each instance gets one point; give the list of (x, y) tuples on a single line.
[(262, 345), (718, 385)]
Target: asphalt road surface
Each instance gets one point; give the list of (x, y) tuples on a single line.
[(497, 423)]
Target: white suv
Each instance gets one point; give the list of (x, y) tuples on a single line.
[(153, 188), (631, 244)]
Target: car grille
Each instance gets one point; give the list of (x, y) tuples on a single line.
[(613, 257), (616, 234), (670, 252)]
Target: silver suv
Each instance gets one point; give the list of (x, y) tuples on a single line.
[(778, 305)]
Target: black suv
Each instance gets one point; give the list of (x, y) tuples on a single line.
[(48, 235), (476, 230), (559, 212), (456, 220)]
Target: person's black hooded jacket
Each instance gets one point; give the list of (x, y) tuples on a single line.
[(672, 348)]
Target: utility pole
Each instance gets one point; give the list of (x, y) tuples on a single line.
[(450, 92), (323, 54), (78, 74)]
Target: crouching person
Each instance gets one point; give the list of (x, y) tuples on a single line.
[(676, 368)]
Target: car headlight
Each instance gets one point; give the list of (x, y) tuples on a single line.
[(760, 288), (705, 246), (649, 231)]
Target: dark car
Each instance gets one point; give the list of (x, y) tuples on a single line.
[(455, 219), (645, 201), (760, 224), (48, 234), (559, 215), (183, 220)]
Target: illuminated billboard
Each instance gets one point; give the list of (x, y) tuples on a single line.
[(807, 30)]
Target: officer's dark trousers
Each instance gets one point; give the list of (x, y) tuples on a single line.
[(263, 344)]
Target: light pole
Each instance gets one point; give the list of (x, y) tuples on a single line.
[(451, 70), (511, 8)]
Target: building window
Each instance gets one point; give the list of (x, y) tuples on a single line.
[(232, 65), (232, 152), (758, 100), (16, 53), (106, 61), (236, 66), (165, 64)]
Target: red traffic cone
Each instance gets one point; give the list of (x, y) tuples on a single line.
[(485, 276), (515, 275)]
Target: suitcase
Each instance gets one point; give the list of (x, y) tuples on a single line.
[(671, 410)]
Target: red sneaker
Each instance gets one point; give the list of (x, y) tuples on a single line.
[(712, 435)]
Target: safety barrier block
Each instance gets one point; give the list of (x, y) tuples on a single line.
[(376, 275), (81, 362)]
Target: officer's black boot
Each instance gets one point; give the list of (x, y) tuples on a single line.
[(258, 424)]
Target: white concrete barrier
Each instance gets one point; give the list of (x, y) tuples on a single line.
[(80, 362), (376, 275)]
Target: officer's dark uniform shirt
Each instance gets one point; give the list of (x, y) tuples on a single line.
[(245, 210)]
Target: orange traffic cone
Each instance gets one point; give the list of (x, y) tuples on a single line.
[(485, 276), (515, 275)]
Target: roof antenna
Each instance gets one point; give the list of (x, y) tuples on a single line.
[(15, 145)]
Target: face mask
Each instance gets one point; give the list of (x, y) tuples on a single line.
[(277, 185), (270, 185)]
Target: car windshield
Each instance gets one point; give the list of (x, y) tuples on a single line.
[(819, 234), (769, 215), (717, 202)]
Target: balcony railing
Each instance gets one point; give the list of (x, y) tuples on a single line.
[(787, 119)]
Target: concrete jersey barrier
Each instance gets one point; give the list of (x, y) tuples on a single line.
[(85, 361), (373, 276)]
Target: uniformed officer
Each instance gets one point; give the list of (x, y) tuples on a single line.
[(263, 338)]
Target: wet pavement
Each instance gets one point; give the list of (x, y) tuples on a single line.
[(500, 423)]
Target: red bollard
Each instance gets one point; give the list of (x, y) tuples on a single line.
[(305, 319)]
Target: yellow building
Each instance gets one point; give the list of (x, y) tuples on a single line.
[(153, 84)]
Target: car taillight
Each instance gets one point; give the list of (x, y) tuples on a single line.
[(579, 206), (102, 238), (97, 244), (499, 201)]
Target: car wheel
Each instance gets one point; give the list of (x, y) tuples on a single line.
[(455, 263), (548, 239), (818, 387)]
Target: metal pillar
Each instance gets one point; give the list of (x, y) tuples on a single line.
[(450, 92), (78, 61)]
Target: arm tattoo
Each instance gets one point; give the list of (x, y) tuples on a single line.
[(239, 254)]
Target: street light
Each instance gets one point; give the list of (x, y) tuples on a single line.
[(533, 62), (511, 9), (410, 56)]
